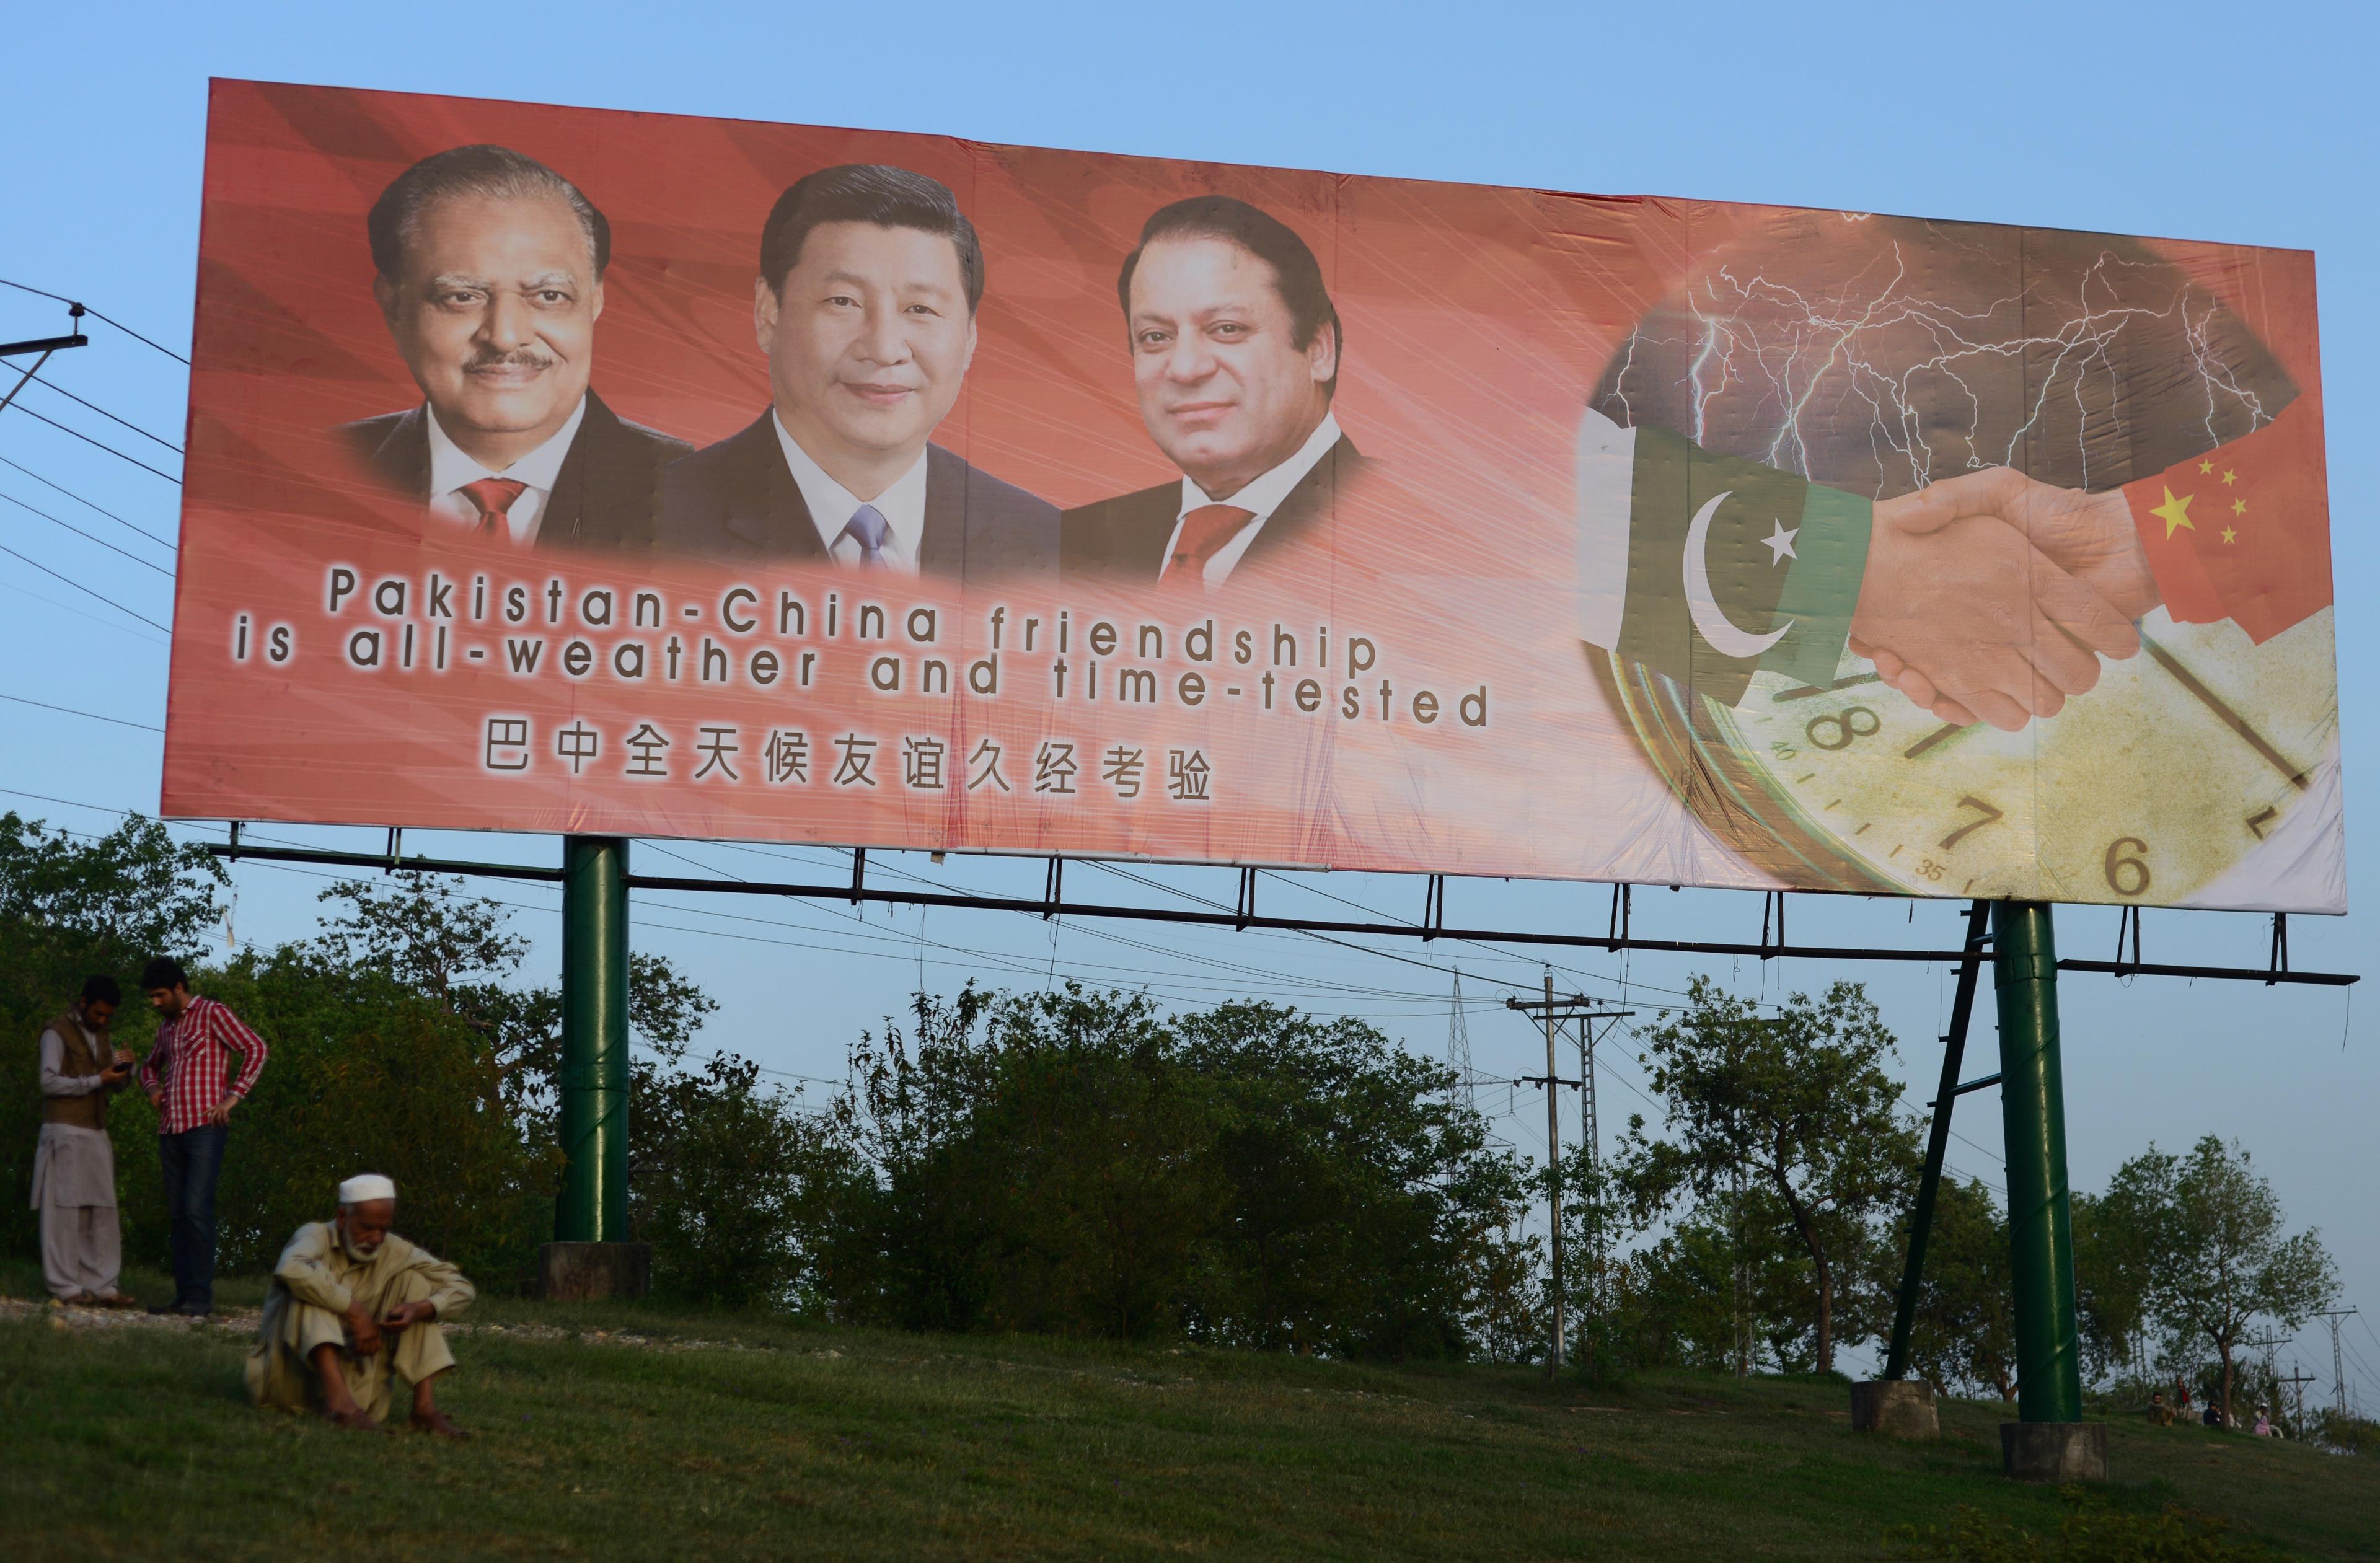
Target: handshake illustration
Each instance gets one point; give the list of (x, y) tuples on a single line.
[(1991, 597)]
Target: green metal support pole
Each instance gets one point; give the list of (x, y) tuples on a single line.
[(594, 1207), (2032, 1108)]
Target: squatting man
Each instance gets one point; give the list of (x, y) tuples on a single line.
[(352, 1307)]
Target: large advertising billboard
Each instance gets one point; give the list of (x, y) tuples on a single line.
[(571, 470)]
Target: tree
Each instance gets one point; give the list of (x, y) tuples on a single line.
[(728, 1184), (1798, 1103), (1964, 1333), (425, 933), (2220, 1258)]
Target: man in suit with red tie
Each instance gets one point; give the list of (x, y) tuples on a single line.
[(1235, 348), (491, 278), (865, 304)]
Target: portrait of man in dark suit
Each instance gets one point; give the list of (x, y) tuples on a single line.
[(1235, 348), (491, 278), (865, 306)]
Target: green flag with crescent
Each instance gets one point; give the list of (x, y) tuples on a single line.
[(1707, 568)]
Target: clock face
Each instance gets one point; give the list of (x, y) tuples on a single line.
[(2162, 778)]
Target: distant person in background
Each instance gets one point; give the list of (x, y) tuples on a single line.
[(353, 1307), (2160, 1415), (188, 1076), (492, 279), (865, 306), (2213, 1415), (1235, 351), (2264, 1428), (74, 1165)]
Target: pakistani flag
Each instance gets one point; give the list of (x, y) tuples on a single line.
[(1705, 568)]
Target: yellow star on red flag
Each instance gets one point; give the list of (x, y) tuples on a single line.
[(2174, 511)]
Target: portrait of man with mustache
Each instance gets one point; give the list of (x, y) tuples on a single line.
[(490, 280)]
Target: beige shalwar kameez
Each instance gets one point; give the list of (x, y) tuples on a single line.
[(306, 1308)]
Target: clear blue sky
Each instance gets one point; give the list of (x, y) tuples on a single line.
[(2181, 120)]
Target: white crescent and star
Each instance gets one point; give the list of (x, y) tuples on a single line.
[(1714, 624)]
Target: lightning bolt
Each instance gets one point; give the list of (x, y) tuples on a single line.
[(1762, 337)]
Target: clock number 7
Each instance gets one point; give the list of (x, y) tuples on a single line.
[(1991, 815)]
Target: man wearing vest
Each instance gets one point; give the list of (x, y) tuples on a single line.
[(74, 1166)]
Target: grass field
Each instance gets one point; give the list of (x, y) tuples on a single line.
[(708, 1435)]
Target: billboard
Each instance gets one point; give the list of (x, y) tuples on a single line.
[(572, 471)]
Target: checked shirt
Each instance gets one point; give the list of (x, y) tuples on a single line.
[(188, 1062)]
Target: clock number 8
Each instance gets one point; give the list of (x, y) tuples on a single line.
[(2127, 875), (1845, 728)]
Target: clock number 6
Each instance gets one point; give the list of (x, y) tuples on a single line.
[(2127, 875), (1990, 816), (1845, 728)]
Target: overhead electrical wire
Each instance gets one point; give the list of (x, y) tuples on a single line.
[(35, 377), (78, 585), (111, 450), (78, 531), (70, 711), (94, 314), (119, 520)]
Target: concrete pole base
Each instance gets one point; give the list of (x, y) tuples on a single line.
[(591, 1272), (2054, 1452), (1900, 1408)]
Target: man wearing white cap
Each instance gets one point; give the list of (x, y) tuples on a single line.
[(352, 1304)]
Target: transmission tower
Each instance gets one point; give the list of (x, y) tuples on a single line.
[(2333, 1316), (1458, 1046)]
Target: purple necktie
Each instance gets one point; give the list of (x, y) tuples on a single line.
[(870, 531)]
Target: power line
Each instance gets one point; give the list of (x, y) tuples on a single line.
[(69, 710), (48, 386), (102, 444), (64, 607), (96, 315), (61, 487), (82, 589), (78, 531)]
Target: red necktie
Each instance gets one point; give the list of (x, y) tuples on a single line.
[(1203, 534), (492, 497)]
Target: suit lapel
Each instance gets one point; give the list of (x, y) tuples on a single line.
[(565, 518), (765, 508), (403, 457), (941, 550), (1311, 500)]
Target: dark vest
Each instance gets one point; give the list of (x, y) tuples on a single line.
[(80, 1059)]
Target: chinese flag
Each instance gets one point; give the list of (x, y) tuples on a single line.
[(2243, 532)]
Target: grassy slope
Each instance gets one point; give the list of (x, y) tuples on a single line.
[(855, 1444)]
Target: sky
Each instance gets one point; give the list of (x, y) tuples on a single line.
[(2166, 120)]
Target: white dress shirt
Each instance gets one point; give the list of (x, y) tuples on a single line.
[(450, 469), (903, 506), (1263, 496)]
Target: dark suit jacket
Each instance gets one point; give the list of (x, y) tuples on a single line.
[(1127, 536), (737, 499), (605, 496)]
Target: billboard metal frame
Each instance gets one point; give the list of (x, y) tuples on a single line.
[(1053, 903)]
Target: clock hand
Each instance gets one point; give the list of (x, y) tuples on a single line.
[(1805, 691), (2231, 719)]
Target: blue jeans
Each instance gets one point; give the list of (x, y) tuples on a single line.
[(191, 1161)]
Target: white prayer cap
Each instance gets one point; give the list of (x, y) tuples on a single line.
[(366, 1187)]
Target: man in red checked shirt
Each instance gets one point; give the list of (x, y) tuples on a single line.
[(186, 1076)]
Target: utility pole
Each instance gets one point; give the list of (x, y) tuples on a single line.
[(1555, 1014), (2297, 1382), (2332, 1317)]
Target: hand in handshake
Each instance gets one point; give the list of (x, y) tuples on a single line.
[(1992, 596)]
